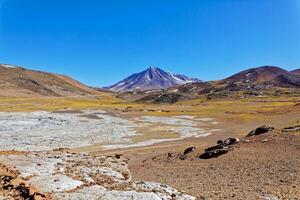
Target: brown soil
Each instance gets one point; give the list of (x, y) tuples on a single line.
[(266, 166)]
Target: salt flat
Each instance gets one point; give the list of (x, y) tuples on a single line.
[(41, 130)]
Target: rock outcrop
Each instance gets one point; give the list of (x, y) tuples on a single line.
[(82, 176)]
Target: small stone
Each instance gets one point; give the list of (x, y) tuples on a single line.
[(118, 156), (182, 157)]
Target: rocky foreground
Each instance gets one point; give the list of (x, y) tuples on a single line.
[(262, 165), (66, 176)]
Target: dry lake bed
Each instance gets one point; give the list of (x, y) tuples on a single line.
[(40, 130)]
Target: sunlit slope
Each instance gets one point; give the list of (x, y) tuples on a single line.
[(19, 82)]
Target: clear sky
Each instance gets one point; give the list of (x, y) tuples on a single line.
[(100, 42)]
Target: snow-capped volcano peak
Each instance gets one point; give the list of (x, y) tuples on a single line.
[(151, 78), (8, 66)]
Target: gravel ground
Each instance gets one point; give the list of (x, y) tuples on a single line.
[(267, 167)]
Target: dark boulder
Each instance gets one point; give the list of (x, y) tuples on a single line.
[(260, 130), (222, 147), (230, 141), (183, 156), (220, 142), (219, 146), (213, 153), (189, 150)]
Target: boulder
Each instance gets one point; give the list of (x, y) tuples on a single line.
[(219, 146), (213, 153), (260, 130), (222, 147), (189, 150), (220, 142), (230, 141)]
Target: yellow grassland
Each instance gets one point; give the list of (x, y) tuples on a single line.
[(192, 107), (238, 109)]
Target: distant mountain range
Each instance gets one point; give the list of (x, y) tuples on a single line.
[(18, 81), (149, 79), (252, 81), (151, 85)]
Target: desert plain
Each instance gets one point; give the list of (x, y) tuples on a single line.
[(103, 147)]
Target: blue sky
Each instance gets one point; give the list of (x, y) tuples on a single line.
[(100, 42)]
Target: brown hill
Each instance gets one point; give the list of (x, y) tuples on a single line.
[(17, 81), (256, 75), (254, 79), (296, 71), (262, 78)]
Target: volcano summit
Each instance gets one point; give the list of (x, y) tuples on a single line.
[(151, 78)]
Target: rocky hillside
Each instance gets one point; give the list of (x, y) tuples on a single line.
[(254, 79), (18, 81), (263, 77), (297, 72)]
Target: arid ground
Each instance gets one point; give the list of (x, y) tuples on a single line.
[(108, 148)]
